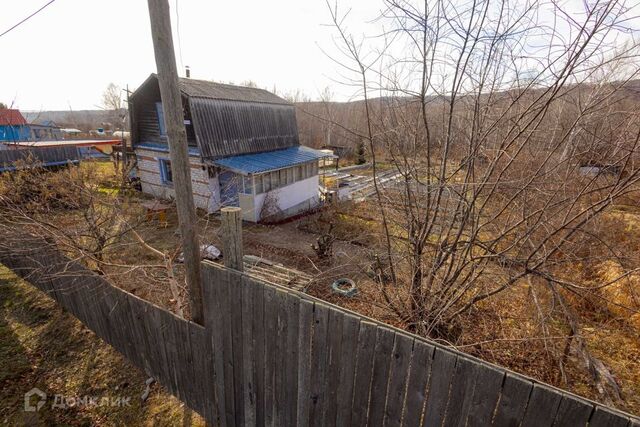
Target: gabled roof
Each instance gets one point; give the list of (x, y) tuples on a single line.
[(212, 90), (11, 117)]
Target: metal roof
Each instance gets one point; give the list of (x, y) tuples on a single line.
[(247, 164), (231, 128), (227, 120), (11, 117), (212, 90)]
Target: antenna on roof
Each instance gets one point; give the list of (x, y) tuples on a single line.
[(187, 71)]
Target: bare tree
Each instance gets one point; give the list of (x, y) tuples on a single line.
[(493, 115), (112, 101)]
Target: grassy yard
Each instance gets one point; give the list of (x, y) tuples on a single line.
[(42, 346)]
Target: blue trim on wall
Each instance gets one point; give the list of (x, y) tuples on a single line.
[(163, 148)]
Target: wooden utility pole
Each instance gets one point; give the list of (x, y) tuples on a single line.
[(232, 237), (178, 149)]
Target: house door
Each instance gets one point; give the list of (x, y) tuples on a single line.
[(229, 184)]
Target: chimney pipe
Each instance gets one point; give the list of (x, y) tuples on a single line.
[(188, 71)]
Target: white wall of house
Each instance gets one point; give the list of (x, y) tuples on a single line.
[(206, 192), (291, 199)]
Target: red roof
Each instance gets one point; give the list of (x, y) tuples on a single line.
[(11, 117)]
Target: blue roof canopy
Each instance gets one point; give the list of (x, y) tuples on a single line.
[(248, 164)]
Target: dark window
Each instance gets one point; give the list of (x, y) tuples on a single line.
[(161, 125), (165, 171)]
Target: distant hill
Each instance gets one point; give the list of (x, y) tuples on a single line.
[(81, 119)]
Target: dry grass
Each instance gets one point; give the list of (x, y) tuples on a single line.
[(42, 346)]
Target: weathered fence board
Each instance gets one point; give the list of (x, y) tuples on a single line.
[(318, 363), (513, 401), (364, 368), (417, 383), (400, 359), (267, 355), (305, 324), (442, 370), (350, 326)]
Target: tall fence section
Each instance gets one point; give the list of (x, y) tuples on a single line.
[(272, 356)]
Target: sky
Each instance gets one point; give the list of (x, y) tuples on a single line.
[(64, 57)]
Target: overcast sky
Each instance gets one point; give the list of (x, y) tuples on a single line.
[(65, 56)]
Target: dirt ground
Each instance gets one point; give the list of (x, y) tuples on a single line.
[(498, 331)]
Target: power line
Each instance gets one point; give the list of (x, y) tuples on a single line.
[(178, 32), (27, 18)]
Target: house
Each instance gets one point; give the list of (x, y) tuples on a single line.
[(14, 128), (243, 149)]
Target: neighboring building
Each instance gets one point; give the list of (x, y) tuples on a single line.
[(14, 128), (243, 147)]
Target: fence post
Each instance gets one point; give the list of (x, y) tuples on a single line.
[(232, 237)]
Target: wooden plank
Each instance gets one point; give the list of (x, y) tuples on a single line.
[(159, 364), (380, 376), (396, 393), (171, 342), (605, 417), (573, 412), (304, 362), (318, 363), (257, 292), (513, 401), (270, 348), (235, 305), (212, 313), (187, 383), (364, 370), (442, 370), (485, 395), (248, 354), (349, 349), (334, 360), (291, 391), (204, 389), (461, 393), (226, 309), (421, 360), (542, 407), (280, 397)]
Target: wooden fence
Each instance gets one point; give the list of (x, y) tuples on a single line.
[(47, 156), (272, 356)]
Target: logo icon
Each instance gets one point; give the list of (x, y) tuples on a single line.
[(41, 397)]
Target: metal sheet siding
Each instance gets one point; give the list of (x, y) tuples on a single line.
[(226, 128)]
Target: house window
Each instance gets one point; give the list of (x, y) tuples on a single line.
[(166, 175), (258, 180), (248, 184), (161, 125)]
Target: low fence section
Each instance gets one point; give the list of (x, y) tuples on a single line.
[(272, 356), (46, 156)]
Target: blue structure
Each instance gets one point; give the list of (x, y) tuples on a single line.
[(14, 128), (248, 164)]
